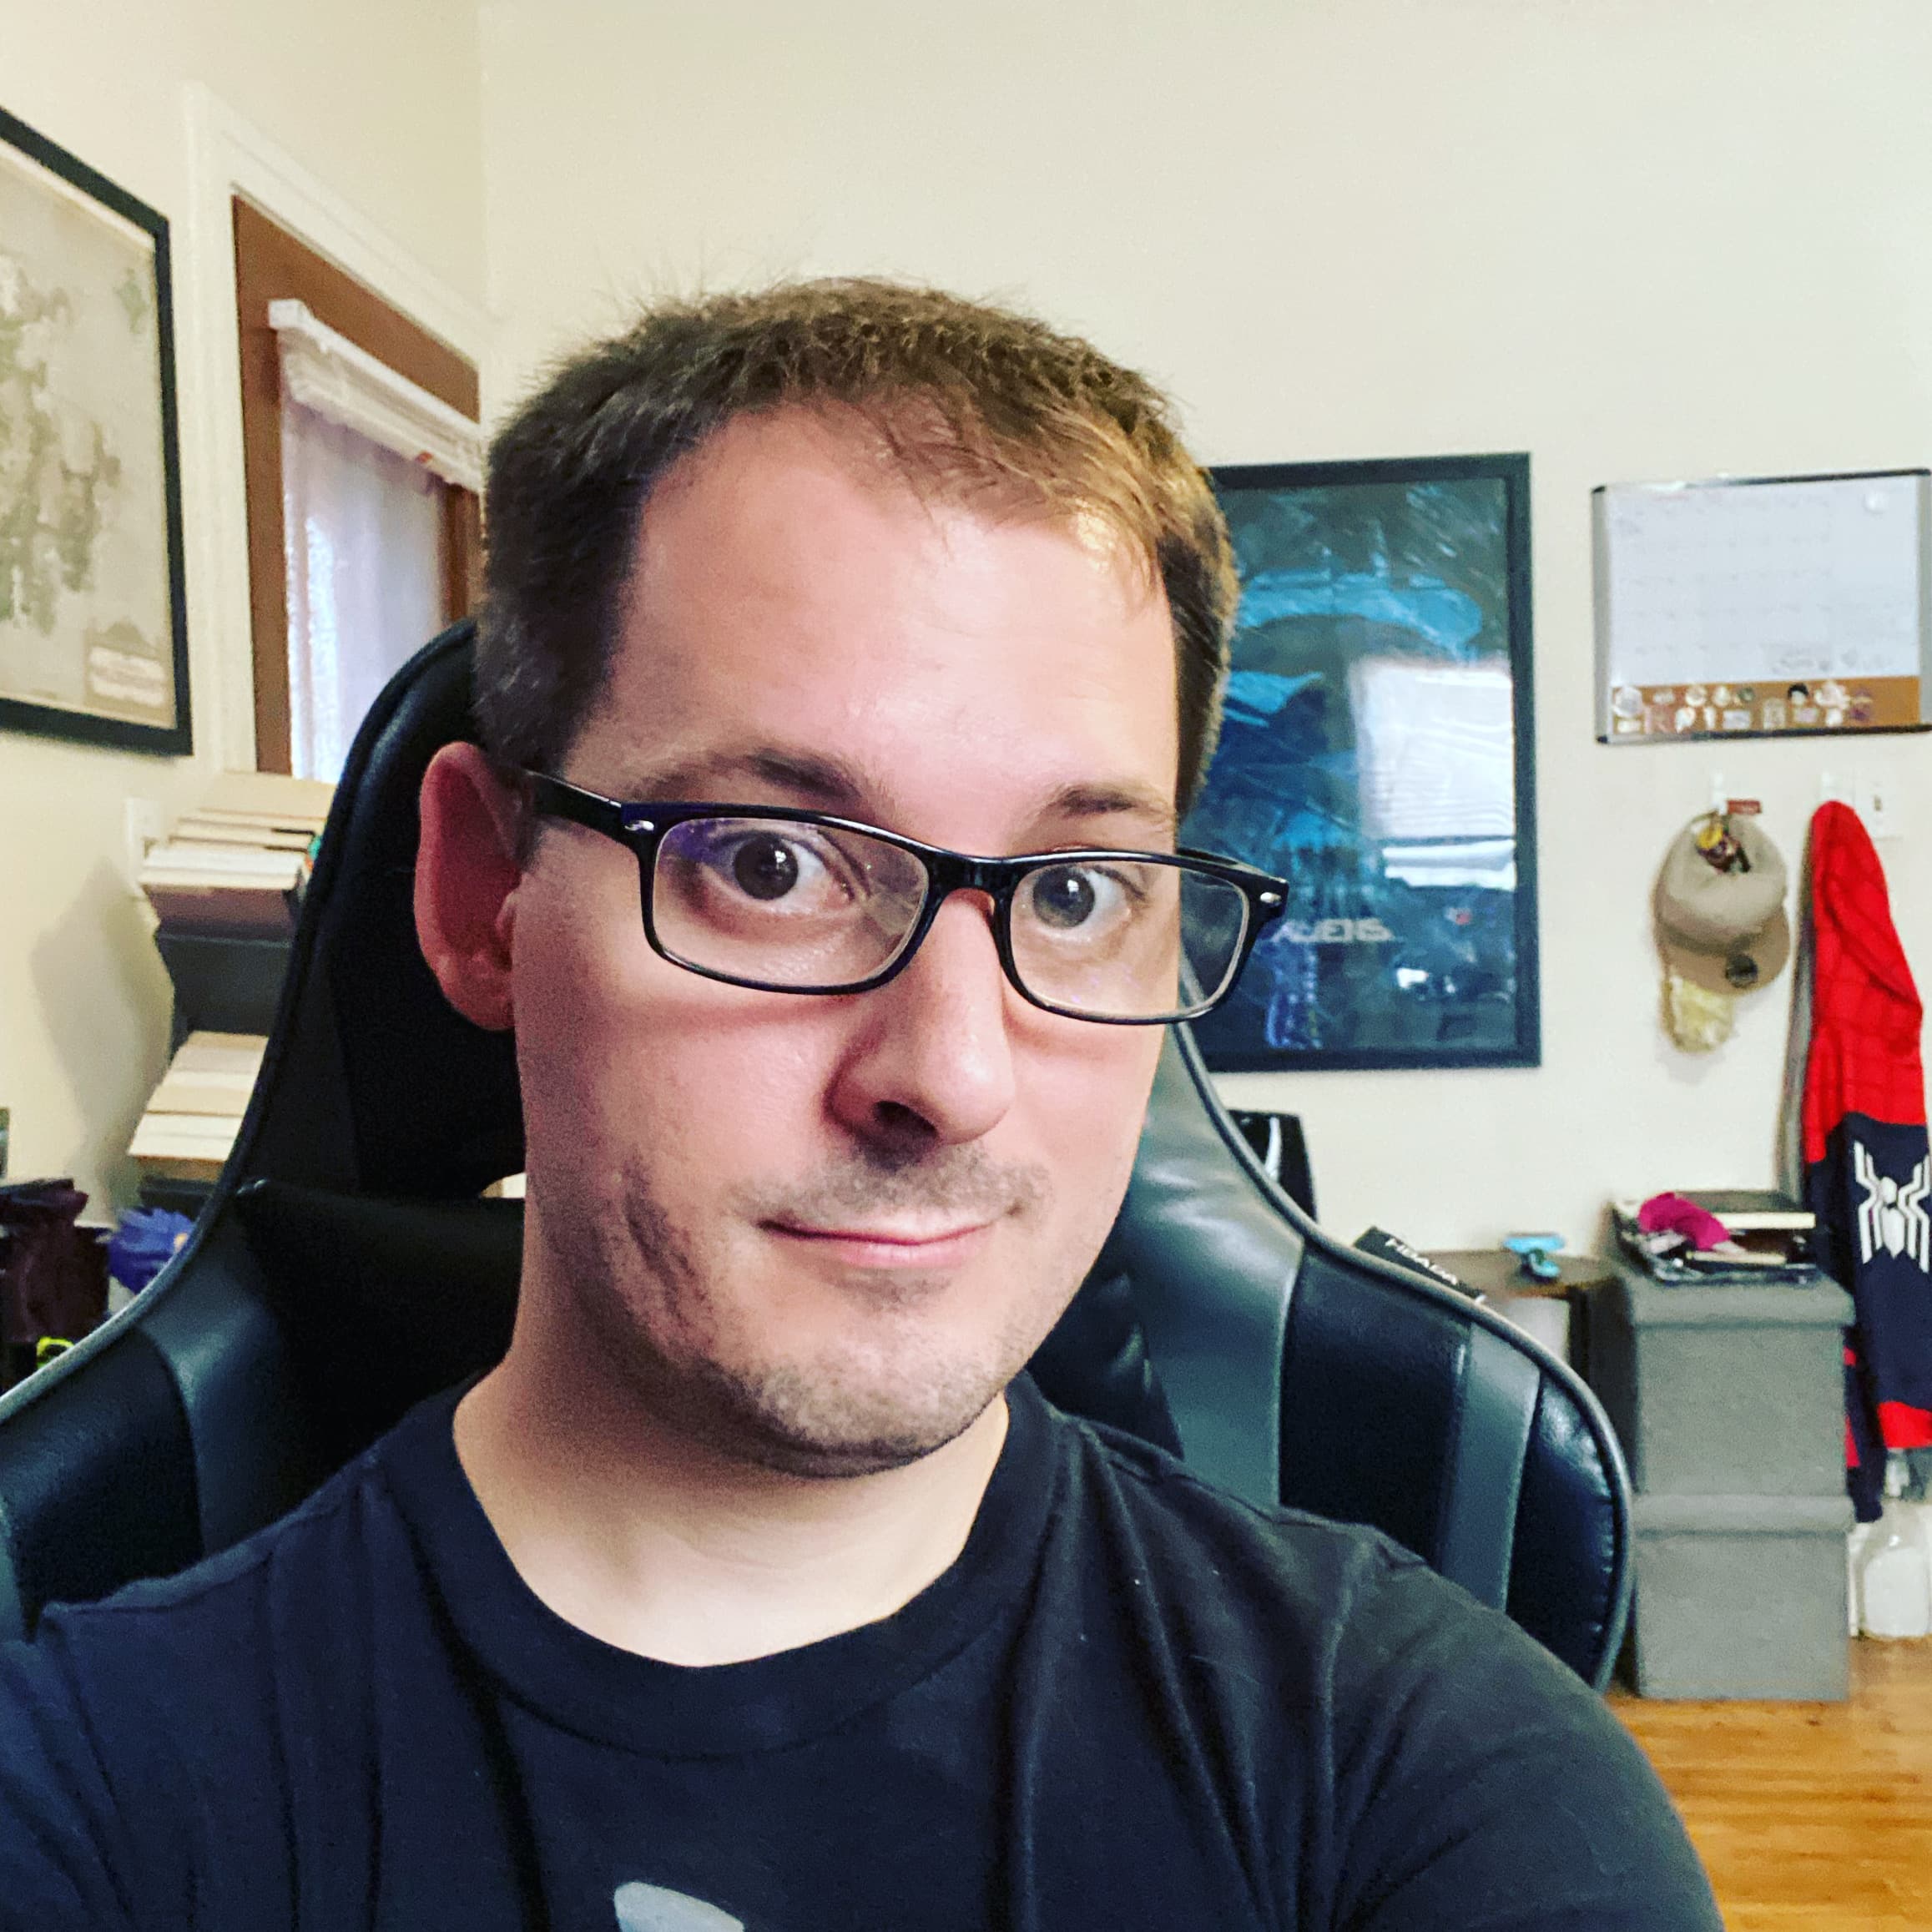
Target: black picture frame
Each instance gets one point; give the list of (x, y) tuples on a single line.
[(107, 721), (1396, 591)]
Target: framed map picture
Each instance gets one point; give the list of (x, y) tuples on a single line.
[(93, 633), (1376, 751)]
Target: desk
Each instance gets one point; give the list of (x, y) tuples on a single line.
[(1547, 1310)]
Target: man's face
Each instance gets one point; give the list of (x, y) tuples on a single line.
[(823, 1232)]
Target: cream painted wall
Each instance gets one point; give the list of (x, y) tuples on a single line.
[(379, 100), (1639, 239)]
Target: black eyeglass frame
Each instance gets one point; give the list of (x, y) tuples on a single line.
[(642, 828)]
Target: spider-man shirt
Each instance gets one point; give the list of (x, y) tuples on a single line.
[(1867, 1170)]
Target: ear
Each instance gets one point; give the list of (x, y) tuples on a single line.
[(466, 875)]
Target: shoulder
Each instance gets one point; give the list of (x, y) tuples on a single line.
[(1369, 1608), (127, 1727), (1184, 1526), (293, 1556), (144, 1739), (1462, 1774), (1268, 1609), (164, 1663)]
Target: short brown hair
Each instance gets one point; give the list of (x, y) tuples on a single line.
[(969, 402)]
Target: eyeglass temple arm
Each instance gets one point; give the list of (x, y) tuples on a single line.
[(557, 797)]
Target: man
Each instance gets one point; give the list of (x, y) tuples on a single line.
[(848, 655)]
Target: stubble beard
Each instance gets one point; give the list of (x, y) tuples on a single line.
[(654, 1300)]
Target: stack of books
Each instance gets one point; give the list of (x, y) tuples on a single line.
[(1770, 1239), (238, 863), (194, 1114)]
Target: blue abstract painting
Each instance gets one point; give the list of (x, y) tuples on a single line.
[(1375, 752)]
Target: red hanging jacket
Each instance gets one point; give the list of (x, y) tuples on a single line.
[(1868, 1169)]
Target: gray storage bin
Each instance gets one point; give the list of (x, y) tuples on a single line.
[(1724, 1391), (1740, 1596)]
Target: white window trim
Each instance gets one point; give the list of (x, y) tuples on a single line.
[(228, 156), (325, 371)]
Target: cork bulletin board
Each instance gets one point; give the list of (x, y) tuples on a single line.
[(1777, 607)]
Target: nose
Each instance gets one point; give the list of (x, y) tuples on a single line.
[(931, 1060)]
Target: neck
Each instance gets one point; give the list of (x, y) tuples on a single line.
[(632, 1531)]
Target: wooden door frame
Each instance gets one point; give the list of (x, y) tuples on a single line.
[(228, 155)]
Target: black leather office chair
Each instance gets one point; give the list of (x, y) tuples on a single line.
[(346, 1268)]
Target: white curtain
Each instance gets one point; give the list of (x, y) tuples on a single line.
[(363, 532)]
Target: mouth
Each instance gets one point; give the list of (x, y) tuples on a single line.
[(888, 1246)]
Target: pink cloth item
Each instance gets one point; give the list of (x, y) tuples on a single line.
[(1673, 1212)]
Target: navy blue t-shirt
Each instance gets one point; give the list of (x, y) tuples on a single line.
[(1132, 1702)]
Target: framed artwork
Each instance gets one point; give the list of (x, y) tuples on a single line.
[(94, 631), (1377, 751)]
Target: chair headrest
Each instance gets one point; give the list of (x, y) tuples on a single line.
[(372, 1082)]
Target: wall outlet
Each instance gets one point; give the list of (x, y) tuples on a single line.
[(142, 828)]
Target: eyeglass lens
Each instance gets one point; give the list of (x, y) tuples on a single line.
[(779, 903)]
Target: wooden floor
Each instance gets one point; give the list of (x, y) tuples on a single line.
[(1816, 1816)]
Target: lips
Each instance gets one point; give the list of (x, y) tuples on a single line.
[(889, 1246)]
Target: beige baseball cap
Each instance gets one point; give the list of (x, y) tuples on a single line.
[(1726, 931)]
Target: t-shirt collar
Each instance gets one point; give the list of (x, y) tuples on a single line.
[(594, 1688)]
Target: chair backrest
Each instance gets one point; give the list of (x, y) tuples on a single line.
[(345, 1267), (1301, 1371)]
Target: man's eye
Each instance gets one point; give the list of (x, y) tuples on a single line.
[(794, 869), (1067, 897), (765, 866)]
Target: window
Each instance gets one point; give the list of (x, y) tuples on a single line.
[(362, 538), (360, 440)]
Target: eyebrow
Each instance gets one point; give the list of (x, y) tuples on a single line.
[(830, 784), (1113, 801)]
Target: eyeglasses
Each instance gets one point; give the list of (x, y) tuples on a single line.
[(794, 901)]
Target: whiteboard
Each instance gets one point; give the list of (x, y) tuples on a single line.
[(1771, 592)]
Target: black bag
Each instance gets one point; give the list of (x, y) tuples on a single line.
[(53, 1275)]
